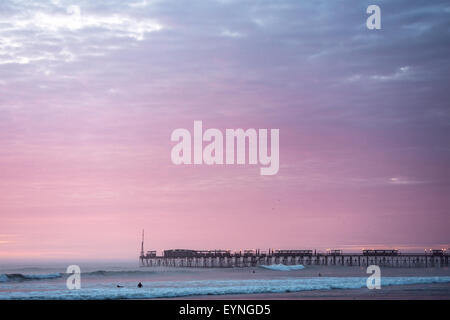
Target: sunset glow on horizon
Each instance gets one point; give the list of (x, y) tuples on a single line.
[(90, 94)]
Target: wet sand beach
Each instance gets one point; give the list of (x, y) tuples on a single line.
[(435, 291)]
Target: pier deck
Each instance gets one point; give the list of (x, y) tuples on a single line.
[(252, 258)]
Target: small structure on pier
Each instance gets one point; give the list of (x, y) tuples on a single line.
[(380, 252), (334, 252)]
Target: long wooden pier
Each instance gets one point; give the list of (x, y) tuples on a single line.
[(252, 258)]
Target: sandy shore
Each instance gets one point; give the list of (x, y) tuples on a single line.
[(405, 292)]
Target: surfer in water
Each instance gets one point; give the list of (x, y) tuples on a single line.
[(139, 285)]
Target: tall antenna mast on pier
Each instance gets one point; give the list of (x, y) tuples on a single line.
[(142, 244)]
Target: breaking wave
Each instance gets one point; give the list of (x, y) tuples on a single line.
[(283, 267), (105, 273), (19, 277)]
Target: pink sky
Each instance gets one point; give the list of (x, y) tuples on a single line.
[(88, 104)]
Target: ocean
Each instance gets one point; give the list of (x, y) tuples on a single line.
[(119, 281)]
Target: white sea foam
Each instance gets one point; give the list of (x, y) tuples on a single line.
[(166, 289), (282, 267)]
